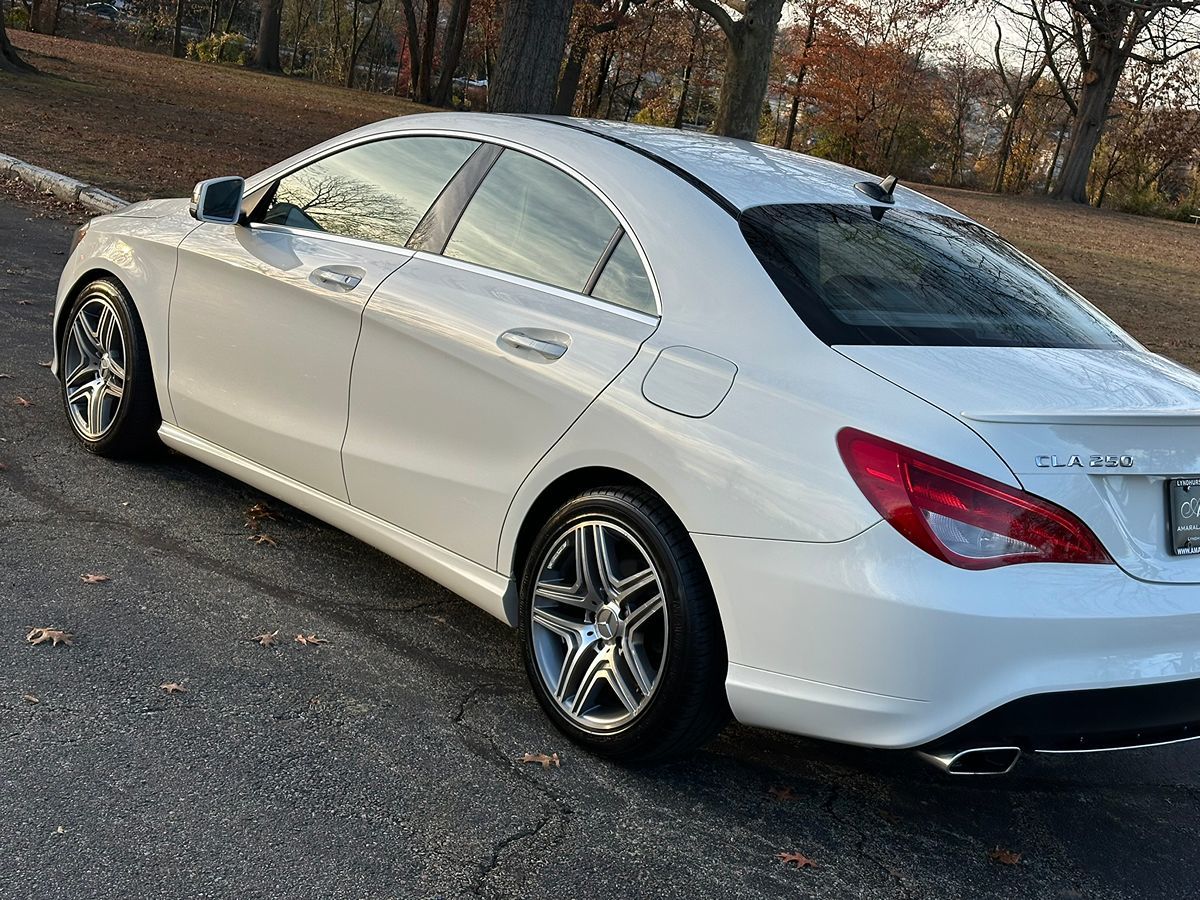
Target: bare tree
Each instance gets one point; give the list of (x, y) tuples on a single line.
[(460, 12), (1104, 36), (961, 83), (606, 17), (1019, 67), (751, 42), (531, 51)]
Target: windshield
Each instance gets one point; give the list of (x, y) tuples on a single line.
[(868, 275)]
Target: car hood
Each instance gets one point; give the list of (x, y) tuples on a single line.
[(153, 209)]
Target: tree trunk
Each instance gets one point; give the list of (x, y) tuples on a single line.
[(1003, 152), (687, 73), (357, 44), (810, 38), (531, 51), (43, 16), (266, 55), (1095, 100), (568, 85), (460, 13), (751, 42), (10, 60), (424, 81), (606, 59), (414, 46), (177, 47)]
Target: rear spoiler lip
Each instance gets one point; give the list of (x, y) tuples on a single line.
[(1139, 417)]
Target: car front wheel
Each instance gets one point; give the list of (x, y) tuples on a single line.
[(107, 387), (622, 640)]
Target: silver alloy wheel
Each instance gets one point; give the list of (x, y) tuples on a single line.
[(599, 624), (94, 363)]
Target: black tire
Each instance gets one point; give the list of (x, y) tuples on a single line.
[(688, 706), (133, 431)]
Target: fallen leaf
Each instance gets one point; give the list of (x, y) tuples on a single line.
[(543, 760), (266, 639), (1004, 857), (29, 698), (782, 793), (310, 640), (53, 635), (5, 375), (60, 830), (94, 578), (263, 539), (47, 364), (22, 303), (21, 401), (173, 687), (259, 513), (798, 859)]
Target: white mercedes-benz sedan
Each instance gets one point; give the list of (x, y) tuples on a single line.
[(717, 427)]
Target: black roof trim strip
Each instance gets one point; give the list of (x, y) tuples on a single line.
[(703, 187)]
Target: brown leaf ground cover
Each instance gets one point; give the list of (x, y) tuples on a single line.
[(143, 124)]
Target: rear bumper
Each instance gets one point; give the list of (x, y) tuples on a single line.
[(872, 642), (1086, 721)]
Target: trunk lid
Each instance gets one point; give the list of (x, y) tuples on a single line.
[(1099, 432)]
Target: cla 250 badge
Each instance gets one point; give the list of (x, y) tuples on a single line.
[(1054, 461)]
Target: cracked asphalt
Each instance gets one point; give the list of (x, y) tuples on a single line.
[(384, 763)]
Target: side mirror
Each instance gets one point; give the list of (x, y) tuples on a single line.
[(218, 200)]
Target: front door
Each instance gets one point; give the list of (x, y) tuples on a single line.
[(264, 318)]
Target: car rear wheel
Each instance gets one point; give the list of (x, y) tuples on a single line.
[(107, 387), (622, 641)]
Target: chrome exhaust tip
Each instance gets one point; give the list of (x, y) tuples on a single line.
[(976, 760)]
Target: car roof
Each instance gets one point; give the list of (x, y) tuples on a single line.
[(736, 174), (746, 173)]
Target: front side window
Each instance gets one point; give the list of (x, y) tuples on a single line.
[(374, 192), (530, 219), (865, 275)]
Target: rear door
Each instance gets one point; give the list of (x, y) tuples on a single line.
[(481, 352), (264, 318)]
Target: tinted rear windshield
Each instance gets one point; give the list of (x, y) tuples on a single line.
[(864, 275)]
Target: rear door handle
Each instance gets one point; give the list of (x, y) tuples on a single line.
[(341, 280), (524, 344)]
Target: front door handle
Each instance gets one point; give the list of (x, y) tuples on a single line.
[(340, 280), (548, 345)]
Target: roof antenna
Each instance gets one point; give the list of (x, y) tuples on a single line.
[(880, 192)]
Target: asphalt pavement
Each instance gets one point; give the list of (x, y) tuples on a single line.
[(385, 763)]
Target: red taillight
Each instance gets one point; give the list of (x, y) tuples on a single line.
[(966, 519)]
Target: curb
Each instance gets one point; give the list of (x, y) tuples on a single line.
[(69, 190)]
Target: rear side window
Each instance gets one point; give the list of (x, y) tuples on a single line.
[(866, 275), (375, 192), (530, 219), (624, 280)]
